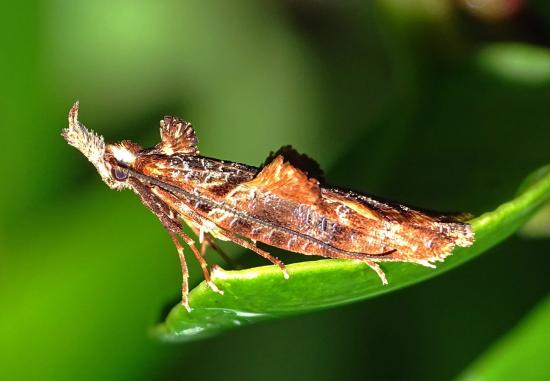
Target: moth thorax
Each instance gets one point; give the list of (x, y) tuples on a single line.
[(124, 152)]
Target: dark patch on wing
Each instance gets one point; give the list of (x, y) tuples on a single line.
[(298, 160)]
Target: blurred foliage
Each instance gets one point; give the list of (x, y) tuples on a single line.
[(520, 354), (418, 101), (517, 62), (539, 225)]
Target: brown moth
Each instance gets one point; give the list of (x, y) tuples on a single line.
[(281, 204)]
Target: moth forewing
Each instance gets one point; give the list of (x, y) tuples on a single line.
[(280, 204)]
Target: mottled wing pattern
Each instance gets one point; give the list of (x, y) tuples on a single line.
[(177, 136), (401, 213), (283, 207), (285, 196), (415, 235), (448, 225), (299, 160), (282, 179)]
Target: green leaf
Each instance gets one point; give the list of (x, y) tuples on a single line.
[(262, 293), (520, 354)]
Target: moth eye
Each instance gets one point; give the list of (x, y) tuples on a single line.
[(119, 174)]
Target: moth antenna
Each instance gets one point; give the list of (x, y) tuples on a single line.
[(86, 141)]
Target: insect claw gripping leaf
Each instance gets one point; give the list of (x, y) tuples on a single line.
[(374, 266), (284, 204)]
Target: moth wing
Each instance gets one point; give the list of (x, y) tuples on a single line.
[(177, 136), (377, 209), (455, 217), (280, 177), (402, 213), (298, 160)]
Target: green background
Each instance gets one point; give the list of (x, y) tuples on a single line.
[(419, 101)]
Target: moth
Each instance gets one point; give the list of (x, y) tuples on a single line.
[(284, 204)]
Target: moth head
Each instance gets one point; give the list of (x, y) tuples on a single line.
[(118, 157), (108, 159)]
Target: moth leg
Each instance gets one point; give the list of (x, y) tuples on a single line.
[(250, 246), (184, 271), (189, 241), (160, 208), (212, 243), (209, 241), (168, 215), (172, 228), (378, 270)]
